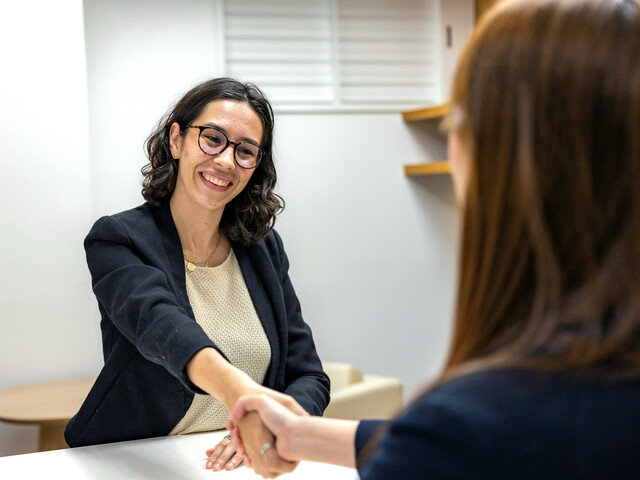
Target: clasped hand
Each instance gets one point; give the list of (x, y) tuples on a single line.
[(255, 423), (252, 440), (216, 376)]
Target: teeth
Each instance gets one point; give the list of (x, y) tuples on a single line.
[(215, 180)]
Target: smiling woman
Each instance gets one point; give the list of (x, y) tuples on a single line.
[(193, 287), (251, 216), (209, 174)]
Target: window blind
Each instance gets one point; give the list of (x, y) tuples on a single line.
[(388, 51), (335, 52)]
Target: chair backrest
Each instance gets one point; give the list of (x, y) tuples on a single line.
[(341, 374)]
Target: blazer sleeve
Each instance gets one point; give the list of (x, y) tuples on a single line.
[(305, 379), (366, 431), (137, 297)]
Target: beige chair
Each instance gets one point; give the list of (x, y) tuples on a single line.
[(355, 396)]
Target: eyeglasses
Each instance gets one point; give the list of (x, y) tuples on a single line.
[(213, 142)]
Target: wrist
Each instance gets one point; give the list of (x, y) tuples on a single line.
[(233, 384), (209, 370), (294, 434)]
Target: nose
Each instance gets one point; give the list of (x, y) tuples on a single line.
[(225, 158)]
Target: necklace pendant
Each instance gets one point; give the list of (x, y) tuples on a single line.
[(191, 266)]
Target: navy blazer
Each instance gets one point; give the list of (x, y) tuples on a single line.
[(149, 332), (512, 424)]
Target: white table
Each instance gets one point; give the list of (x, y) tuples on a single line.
[(177, 457)]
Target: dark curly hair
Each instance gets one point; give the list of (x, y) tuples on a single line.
[(251, 215)]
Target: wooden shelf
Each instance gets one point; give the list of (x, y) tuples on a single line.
[(428, 113), (431, 168)]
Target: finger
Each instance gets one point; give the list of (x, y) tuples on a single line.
[(271, 465), (213, 454), (271, 412), (239, 410), (237, 438), (260, 444), (225, 441), (275, 464), (212, 449), (255, 436), (244, 404), (234, 433), (235, 461), (221, 460)]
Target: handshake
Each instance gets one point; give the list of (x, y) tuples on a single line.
[(270, 431), (262, 427)]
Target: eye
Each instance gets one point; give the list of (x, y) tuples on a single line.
[(247, 151), (212, 141)]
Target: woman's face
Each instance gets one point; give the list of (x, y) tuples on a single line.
[(460, 161), (211, 182)]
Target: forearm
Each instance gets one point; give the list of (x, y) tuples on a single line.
[(209, 370), (326, 440)]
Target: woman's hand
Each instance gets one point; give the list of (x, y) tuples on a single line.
[(278, 419), (259, 447), (224, 455), (328, 440), (211, 372)]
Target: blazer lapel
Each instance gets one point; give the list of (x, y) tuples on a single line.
[(264, 309), (173, 251)]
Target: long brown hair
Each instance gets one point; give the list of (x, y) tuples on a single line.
[(546, 99)]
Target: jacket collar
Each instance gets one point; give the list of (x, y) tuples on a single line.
[(173, 251)]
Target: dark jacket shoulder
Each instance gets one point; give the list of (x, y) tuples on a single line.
[(505, 424)]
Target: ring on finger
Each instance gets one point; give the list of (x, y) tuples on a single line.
[(228, 437), (265, 447)]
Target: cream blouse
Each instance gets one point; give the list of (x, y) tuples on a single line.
[(223, 308)]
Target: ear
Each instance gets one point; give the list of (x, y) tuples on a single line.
[(175, 139)]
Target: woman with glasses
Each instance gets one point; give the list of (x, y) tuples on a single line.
[(193, 288), (543, 375)]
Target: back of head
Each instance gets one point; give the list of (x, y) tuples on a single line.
[(546, 99)]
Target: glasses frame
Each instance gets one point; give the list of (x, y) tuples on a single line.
[(202, 128)]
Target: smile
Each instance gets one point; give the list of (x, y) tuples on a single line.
[(215, 180)]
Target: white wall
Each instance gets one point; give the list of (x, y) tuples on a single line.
[(458, 16), (141, 57), (48, 315), (372, 252)]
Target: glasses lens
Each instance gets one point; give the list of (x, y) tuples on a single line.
[(248, 155), (212, 141)]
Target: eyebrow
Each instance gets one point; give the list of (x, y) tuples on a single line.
[(242, 139)]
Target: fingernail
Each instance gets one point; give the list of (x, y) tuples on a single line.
[(209, 464), (229, 465), (216, 466)]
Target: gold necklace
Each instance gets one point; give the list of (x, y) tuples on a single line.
[(191, 266)]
